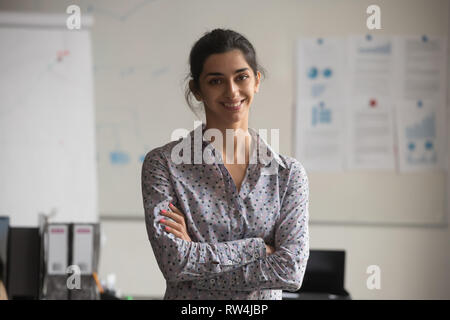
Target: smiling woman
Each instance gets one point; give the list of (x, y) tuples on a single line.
[(226, 230), (204, 56)]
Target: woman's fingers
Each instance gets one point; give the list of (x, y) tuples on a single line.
[(175, 232), (176, 210), (178, 226), (173, 216), (172, 224)]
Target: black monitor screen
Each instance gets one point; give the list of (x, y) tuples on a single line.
[(23, 263), (324, 272)]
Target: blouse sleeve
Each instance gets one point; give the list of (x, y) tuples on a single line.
[(285, 268), (181, 260)]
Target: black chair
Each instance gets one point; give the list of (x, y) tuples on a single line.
[(324, 277)]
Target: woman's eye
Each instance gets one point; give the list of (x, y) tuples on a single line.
[(218, 81)]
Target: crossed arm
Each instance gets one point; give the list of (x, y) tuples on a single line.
[(178, 228)]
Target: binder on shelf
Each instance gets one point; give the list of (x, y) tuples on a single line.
[(71, 253), (83, 248), (57, 249)]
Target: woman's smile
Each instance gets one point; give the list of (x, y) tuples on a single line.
[(233, 106)]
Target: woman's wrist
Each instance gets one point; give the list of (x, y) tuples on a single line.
[(269, 249)]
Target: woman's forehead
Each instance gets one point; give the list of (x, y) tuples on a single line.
[(227, 62)]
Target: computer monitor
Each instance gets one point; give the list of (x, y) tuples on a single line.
[(23, 263), (324, 272)]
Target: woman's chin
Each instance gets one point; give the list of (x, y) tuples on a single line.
[(229, 117), (237, 116)]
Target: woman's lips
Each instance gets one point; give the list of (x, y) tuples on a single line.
[(233, 107)]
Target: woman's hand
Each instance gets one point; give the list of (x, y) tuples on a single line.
[(269, 249), (178, 226)]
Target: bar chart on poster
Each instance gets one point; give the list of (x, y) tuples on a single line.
[(47, 129)]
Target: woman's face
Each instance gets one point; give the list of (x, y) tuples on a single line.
[(227, 86)]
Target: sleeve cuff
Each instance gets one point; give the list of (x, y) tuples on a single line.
[(254, 250)]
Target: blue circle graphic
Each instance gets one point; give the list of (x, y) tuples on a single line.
[(327, 73), (312, 73)]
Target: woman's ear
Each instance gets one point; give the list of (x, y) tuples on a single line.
[(194, 90), (257, 81)]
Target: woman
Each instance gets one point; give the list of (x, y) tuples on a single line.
[(227, 229)]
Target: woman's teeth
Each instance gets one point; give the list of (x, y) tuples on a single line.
[(233, 105)]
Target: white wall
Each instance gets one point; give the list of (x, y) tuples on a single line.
[(414, 261)]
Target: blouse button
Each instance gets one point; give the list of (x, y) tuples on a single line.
[(212, 281)]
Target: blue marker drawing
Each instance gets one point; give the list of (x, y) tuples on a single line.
[(159, 71), (142, 158), (119, 158), (126, 72), (319, 41)]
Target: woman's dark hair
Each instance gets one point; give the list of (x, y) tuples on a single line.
[(217, 41)]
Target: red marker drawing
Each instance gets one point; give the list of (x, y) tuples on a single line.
[(61, 54)]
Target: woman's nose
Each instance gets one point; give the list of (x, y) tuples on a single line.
[(231, 89)]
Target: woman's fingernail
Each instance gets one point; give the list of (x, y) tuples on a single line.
[(171, 205), (162, 220), (167, 228), (163, 211)]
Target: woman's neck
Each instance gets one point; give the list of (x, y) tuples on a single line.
[(235, 144)]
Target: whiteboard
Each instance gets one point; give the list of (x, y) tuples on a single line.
[(47, 123)]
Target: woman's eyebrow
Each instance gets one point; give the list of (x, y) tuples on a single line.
[(221, 74)]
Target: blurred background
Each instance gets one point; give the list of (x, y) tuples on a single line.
[(79, 110)]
